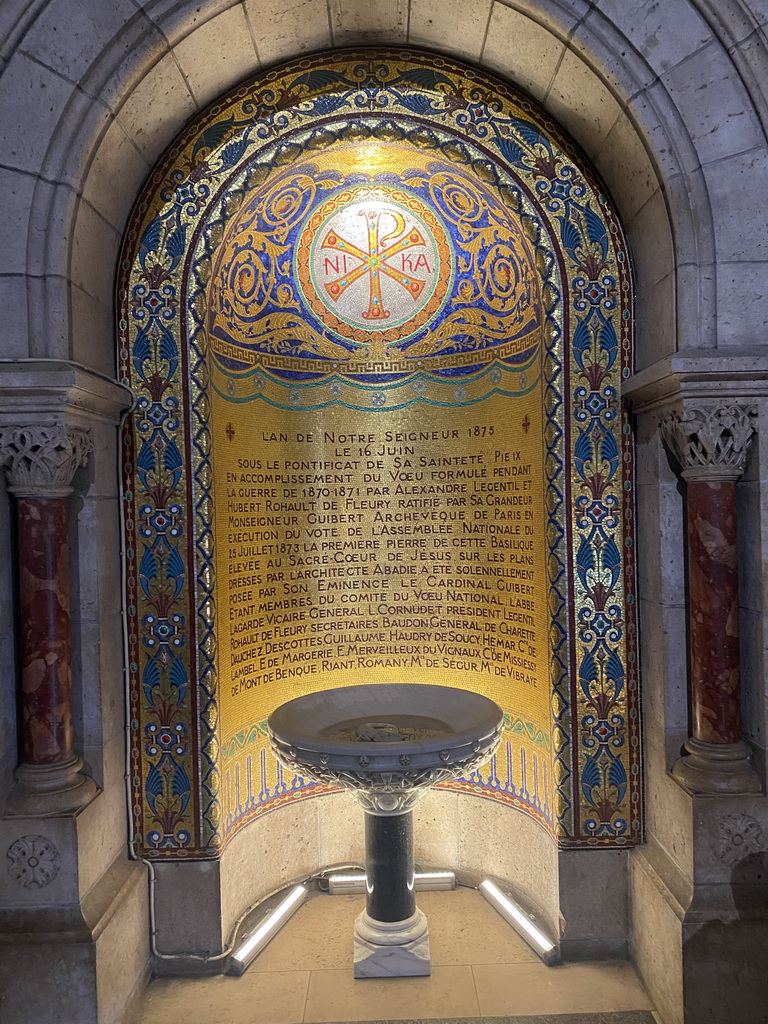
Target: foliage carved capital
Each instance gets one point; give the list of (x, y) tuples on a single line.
[(40, 461), (710, 442)]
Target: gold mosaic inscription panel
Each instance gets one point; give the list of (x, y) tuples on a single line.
[(354, 548)]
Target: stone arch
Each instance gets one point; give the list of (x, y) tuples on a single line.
[(629, 70), (537, 873)]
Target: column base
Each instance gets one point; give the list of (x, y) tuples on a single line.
[(46, 789), (712, 768), (392, 949)]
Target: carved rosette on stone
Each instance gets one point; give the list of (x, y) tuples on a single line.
[(40, 463), (710, 442), (33, 861)]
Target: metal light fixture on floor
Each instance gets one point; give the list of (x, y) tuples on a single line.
[(351, 883), (248, 950), (521, 922)]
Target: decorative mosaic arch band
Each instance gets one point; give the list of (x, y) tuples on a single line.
[(267, 263)]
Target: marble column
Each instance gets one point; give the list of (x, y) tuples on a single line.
[(40, 463), (710, 442), (392, 933)]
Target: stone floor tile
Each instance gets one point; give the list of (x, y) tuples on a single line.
[(318, 937), (572, 988), (619, 1017), (465, 929), (275, 998), (479, 966), (337, 996)]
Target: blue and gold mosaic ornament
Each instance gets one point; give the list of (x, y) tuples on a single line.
[(338, 264), (365, 233)]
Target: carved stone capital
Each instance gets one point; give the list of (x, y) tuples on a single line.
[(40, 461), (709, 441)]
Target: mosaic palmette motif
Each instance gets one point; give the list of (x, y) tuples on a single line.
[(310, 287)]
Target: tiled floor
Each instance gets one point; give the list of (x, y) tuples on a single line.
[(479, 968)]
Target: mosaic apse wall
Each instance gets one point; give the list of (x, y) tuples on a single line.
[(376, 313)]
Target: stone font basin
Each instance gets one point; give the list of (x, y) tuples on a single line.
[(387, 742)]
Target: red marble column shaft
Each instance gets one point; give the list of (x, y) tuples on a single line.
[(46, 677), (714, 611)]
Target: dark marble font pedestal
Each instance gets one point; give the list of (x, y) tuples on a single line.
[(391, 934)]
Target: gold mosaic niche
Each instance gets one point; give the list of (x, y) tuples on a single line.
[(397, 611), (196, 776)]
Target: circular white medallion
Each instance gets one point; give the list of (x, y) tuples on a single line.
[(377, 260)]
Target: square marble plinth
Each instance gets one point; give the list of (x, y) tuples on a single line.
[(410, 960)]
